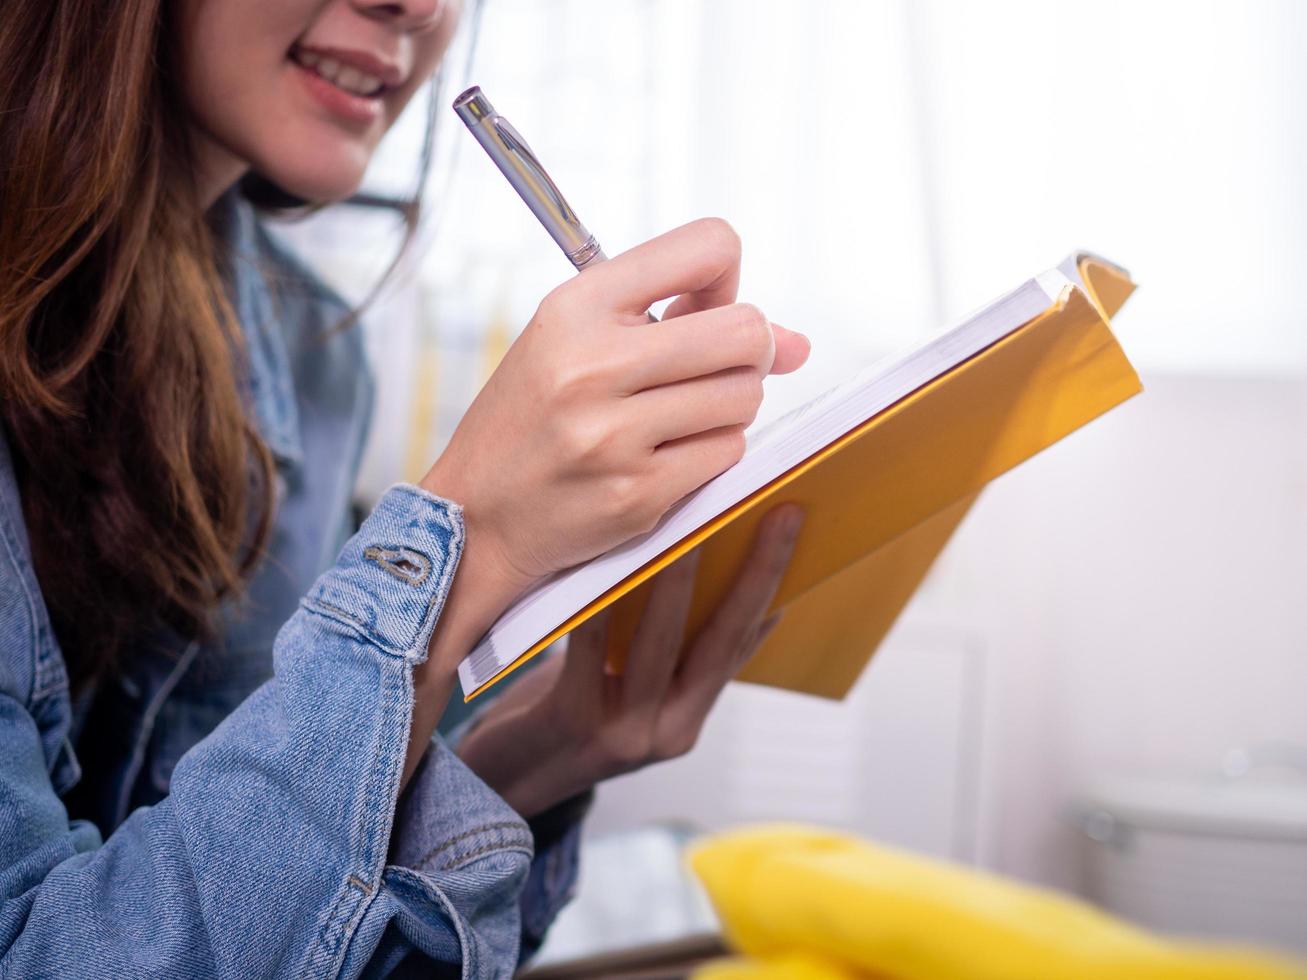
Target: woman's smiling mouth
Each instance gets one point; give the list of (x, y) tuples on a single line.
[(348, 83)]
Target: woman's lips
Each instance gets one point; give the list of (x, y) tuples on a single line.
[(345, 105), (360, 72)]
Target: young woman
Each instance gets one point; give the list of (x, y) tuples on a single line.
[(217, 705)]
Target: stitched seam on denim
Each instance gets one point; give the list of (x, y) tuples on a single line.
[(448, 513), (335, 614), (519, 846), (453, 557), (368, 822), (348, 929), (338, 927), (451, 841), (342, 917), (359, 883), (374, 825), (440, 593), (337, 918)]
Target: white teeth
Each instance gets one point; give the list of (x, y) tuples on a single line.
[(344, 76), (350, 79)]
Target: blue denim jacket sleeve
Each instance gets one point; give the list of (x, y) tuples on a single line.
[(272, 855)]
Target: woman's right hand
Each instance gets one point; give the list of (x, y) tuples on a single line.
[(597, 421)]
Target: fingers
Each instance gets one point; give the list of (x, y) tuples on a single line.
[(698, 344), (733, 633), (728, 398), (529, 685), (655, 650), (700, 259), (733, 627), (587, 649), (688, 463), (792, 350), (756, 640)]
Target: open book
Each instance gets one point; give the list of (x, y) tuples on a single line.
[(885, 465)]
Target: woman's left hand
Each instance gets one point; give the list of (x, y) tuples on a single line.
[(569, 723)]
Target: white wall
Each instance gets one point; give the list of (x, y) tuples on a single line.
[(1134, 600), (1143, 588)]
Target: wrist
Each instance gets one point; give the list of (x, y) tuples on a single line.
[(520, 756), (478, 595), (484, 585)]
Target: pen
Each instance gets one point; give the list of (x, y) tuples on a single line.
[(516, 161)]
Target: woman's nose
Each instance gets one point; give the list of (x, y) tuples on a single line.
[(412, 15)]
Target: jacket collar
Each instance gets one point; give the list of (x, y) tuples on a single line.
[(267, 380)]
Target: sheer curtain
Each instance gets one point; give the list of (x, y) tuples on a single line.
[(890, 165)]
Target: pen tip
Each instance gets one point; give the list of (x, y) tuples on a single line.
[(466, 96), (472, 106)]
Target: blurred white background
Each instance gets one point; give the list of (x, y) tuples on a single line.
[(1132, 601)]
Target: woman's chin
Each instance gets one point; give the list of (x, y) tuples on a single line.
[(317, 182)]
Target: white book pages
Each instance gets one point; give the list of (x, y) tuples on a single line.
[(771, 451)]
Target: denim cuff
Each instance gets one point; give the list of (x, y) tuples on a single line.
[(391, 579), (457, 839), (448, 816), (534, 866)]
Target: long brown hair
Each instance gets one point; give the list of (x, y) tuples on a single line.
[(145, 487)]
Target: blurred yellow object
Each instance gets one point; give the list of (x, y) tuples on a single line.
[(784, 968), (785, 891)]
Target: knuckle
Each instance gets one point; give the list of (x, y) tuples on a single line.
[(572, 375), (625, 501), (743, 394), (751, 391), (567, 308), (677, 745), (721, 236), (733, 444), (629, 749), (586, 441), (553, 308), (754, 333), (563, 297), (570, 379), (752, 318)]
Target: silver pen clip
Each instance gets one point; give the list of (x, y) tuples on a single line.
[(516, 144)]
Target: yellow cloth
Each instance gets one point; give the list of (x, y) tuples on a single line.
[(796, 899), (781, 968)]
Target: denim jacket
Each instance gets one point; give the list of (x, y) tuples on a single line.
[(232, 808)]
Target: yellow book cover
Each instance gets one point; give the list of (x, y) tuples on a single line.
[(882, 498)]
